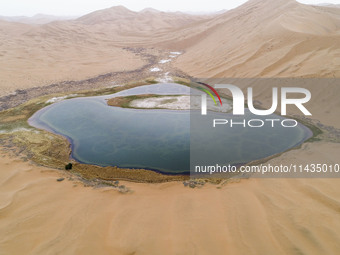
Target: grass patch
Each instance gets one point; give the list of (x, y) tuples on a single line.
[(316, 132), (152, 81), (184, 82)]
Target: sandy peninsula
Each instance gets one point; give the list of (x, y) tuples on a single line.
[(170, 102)]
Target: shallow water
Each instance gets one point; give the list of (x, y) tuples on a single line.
[(151, 139)]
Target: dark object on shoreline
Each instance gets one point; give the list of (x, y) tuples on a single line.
[(123, 189), (60, 179), (68, 166), (194, 183)]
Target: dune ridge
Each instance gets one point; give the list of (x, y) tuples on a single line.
[(258, 39), (266, 216), (267, 39)]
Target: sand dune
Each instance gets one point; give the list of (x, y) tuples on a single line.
[(35, 56), (125, 21), (267, 39), (258, 39), (259, 216), (38, 55)]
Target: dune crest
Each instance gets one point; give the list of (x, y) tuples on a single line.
[(267, 39)]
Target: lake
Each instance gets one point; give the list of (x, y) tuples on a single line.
[(154, 139)]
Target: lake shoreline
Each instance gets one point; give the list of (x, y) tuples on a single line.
[(92, 171)]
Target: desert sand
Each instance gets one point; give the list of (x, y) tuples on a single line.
[(39, 215), (260, 39), (30, 60), (252, 216), (266, 39)]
